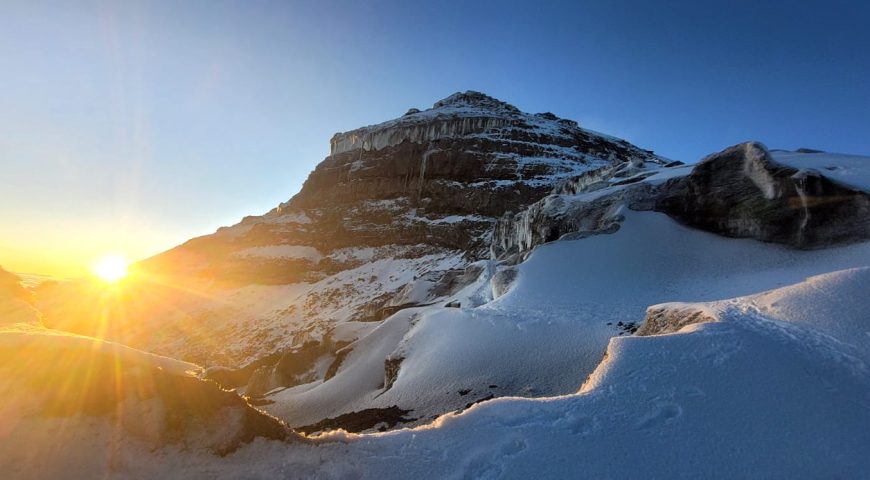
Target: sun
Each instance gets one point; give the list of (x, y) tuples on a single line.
[(111, 268)]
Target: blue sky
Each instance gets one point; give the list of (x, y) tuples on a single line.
[(132, 126)]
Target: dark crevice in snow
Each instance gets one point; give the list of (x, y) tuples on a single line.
[(355, 422)]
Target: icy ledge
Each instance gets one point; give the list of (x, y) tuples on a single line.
[(458, 115)]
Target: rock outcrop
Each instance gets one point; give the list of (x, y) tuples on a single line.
[(743, 192), (585, 205), (670, 318)]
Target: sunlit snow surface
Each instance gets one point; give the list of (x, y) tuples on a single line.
[(752, 395)]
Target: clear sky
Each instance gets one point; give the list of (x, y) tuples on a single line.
[(132, 126)]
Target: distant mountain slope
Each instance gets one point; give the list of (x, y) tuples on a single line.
[(16, 301)]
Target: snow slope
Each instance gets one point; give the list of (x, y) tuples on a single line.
[(551, 329), (746, 396), (835, 303)]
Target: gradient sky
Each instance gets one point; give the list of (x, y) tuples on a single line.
[(132, 126)]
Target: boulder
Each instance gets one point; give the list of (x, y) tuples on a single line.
[(742, 192)]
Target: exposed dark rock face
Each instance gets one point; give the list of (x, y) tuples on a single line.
[(626, 328), (439, 177), (237, 377), (743, 192), (363, 420), (424, 290), (391, 371), (340, 355), (388, 310), (489, 396), (407, 213), (294, 367), (399, 215)]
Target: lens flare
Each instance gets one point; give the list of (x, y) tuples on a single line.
[(111, 268)]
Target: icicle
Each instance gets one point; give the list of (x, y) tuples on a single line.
[(423, 161), (800, 187), (376, 138)]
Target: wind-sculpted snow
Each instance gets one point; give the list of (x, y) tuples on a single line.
[(418, 272), (833, 302), (551, 328), (746, 396)]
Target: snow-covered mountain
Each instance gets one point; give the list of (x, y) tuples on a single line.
[(641, 316), (399, 215)]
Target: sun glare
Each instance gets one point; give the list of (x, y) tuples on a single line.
[(111, 268)]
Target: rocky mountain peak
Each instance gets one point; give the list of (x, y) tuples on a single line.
[(461, 114), (470, 98), (396, 209)]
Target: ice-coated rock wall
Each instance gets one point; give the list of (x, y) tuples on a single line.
[(587, 204), (377, 138), (738, 192), (554, 217)]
